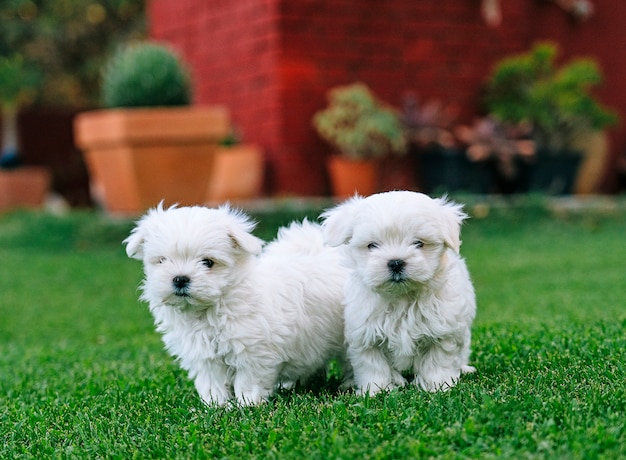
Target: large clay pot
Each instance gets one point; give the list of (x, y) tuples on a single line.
[(138, 157)]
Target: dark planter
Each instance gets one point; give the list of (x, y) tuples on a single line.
[(555, 172), (549, 172), (518, 179), (449, 170)]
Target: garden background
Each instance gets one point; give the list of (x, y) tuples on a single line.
[(271, 62)]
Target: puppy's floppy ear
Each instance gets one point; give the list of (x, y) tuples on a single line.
[(246, 241), (338, 222), (134, 242), (240, 229), (452, 216)]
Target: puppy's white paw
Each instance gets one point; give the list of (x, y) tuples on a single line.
[(376, 385), (438, 380), (252, 395), (286, 385), (374, 389), (212, 395)]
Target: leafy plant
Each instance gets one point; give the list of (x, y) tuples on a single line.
[(556, 101), (359, 125), (145, 75), (17, 81), (429, 123), (503, 143), (67, 43)]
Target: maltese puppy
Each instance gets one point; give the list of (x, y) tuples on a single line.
[(241, 320), (409, 300)]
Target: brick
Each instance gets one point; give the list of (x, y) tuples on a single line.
[(272, 61)]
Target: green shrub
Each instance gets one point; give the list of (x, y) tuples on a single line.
[(145, 75), (18, 81), (557, 101), (359, 125)]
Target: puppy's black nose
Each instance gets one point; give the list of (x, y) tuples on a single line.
[(181, 282), (396, 265)]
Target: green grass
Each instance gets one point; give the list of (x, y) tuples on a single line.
[(83, 374)]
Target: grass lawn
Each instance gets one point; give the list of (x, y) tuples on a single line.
[(83, 374)]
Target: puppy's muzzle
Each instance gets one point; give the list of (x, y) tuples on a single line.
[(181, 285), (396, 269)]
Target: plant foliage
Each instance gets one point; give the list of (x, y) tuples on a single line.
[(557, 101), (360, 125), (17, 81), (145, 75), (66, 42)]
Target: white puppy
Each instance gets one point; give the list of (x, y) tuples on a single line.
[(240, 323), (409, 300)]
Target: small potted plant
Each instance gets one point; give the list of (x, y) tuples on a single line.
[(558, 105), (19, 185), (237, 172), (148, 144), (363, 130), (503, 151), (440, 164)]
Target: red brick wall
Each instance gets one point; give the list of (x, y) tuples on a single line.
[(233, 48), (271, 61), (393, 46)]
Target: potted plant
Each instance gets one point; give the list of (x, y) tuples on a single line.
[(237, 172), (363, 129), (556, 102), (440, 164), (149, 145), (19, 185), (503, 151)]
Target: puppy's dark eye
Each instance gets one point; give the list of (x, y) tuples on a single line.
[(162, 260), (418, 243), (207, 263), (372, 245)]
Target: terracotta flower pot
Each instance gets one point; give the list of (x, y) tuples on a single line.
[(348, 177), (138, 157), (237, 174), (24, 187)]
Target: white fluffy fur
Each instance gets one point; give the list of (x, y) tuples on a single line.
[(248, 319), (418, 318)]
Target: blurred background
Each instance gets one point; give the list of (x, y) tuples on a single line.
[(272, 63)]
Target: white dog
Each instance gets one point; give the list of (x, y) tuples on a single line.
[(409, 300), (240, 323)]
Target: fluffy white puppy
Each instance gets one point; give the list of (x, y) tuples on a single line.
[(409, 300), (240, 320)]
